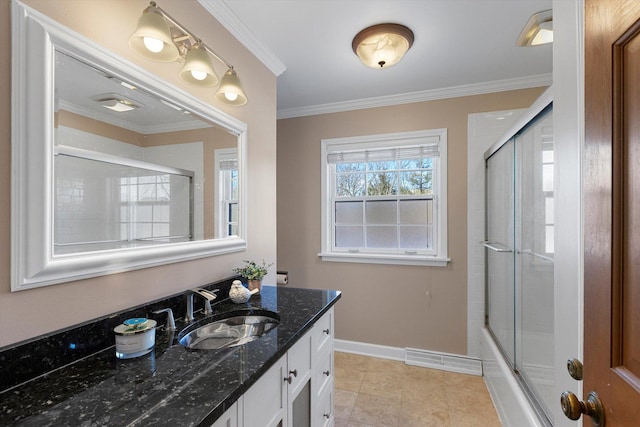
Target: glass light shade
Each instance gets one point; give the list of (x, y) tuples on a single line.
[(538, 30), (383, 45), (152, 38), (544, 34), (117, 105), (198, 69), (230, 91)]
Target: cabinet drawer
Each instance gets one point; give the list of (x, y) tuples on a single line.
[(323, 413), (323, 332), (323, 372)]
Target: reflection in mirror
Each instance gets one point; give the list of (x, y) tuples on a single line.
[(132, 169), (113, 169)]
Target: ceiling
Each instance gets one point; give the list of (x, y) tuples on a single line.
[(461, 47), (80, 88)]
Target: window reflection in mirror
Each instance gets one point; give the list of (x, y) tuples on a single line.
[(132, 169)]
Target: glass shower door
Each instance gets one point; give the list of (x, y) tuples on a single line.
[(534, 260), (500, 296)]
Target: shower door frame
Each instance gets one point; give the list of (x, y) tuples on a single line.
[(538, 110)]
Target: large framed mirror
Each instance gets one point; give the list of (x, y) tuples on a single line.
[(113, 169)]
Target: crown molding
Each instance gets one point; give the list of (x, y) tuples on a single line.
[(223, 14), (421, 96), (144, 130)]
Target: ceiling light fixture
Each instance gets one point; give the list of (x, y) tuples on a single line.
[(538, 30), (116, 102), (382, 45), (117, 105), (160, 37)]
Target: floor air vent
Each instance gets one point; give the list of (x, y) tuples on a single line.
[(443, 361)]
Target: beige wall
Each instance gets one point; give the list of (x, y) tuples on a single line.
[(96, 127), (30, 313), (400, 306)]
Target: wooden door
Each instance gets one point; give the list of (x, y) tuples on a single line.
[(612, 208)]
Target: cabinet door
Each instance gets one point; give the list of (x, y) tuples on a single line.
[(299, 364), (229, 418), (265, 403), (299, 388)]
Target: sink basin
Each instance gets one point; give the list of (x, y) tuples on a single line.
[(233, 329)]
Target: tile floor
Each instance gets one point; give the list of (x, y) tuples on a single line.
[(372, 392)]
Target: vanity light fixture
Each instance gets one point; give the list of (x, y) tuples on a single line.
[(538, 30), (382, 45), (161, 38)]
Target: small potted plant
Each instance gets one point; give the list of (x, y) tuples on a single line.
[(253, 272)]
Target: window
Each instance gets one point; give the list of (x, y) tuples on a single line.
[(547, 188), (384, 198), (227, 191), (154, 206)]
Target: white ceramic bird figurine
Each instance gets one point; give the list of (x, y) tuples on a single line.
[(239, 293)]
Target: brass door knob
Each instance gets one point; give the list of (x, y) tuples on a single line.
[(573, 407), (574, 366)]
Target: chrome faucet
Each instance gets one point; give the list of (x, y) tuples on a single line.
[(204, 293), (171, 323)]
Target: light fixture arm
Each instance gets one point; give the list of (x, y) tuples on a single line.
[(188, 33)]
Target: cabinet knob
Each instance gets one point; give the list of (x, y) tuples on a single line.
[(326, 373), (288, 379), (327, 416), (294, 372), (326, 331)]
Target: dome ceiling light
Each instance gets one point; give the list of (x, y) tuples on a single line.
[(382, 45)]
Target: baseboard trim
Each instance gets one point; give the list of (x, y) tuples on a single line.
[(416, 357), (366, 349)]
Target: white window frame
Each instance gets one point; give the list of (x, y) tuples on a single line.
[(328, 253), (222, 190)]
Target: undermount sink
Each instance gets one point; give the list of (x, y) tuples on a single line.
[(233, 329)]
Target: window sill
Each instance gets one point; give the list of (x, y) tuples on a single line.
[(422, 260)]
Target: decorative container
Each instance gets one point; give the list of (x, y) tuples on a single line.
[(135, 337)]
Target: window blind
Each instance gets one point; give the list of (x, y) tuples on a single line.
[(384, 154), (227, 165)]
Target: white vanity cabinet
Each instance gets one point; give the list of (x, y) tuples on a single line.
[(229, 418), (298, 390), (278, 398), (265, 403), (322, 377), (299, 369)]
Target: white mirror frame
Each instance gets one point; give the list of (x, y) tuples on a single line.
[(35, 37)]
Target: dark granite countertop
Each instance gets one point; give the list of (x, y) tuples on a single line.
[(171, 386)]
